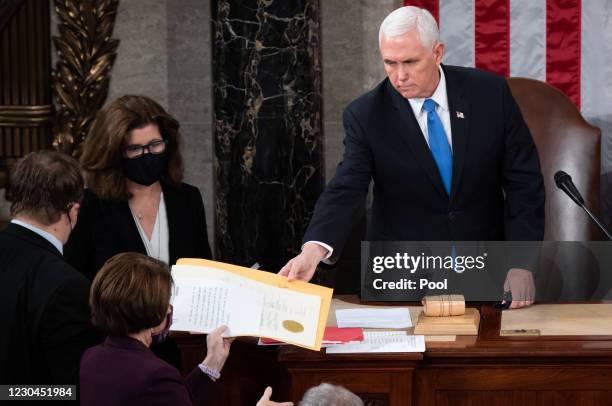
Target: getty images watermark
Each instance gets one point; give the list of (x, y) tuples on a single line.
[(412, 264), (409, 270)]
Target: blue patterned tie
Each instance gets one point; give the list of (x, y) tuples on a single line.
[(438, 143)]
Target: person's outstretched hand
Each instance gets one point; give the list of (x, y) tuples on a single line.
[(265, 400), (303, 266), (217, 349)]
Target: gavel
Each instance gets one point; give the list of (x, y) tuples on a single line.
[(443, 305)]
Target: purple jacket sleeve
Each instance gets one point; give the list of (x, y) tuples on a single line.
[(168, 388), (201, 388)]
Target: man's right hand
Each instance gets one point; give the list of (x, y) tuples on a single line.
[(265, 400), (303, 266)]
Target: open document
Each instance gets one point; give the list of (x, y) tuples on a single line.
[(382, 341), (208, 294)]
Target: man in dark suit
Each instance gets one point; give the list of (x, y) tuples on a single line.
[(449, 153), (46, 319)]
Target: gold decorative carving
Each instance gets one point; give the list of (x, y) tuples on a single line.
[(82, 73), (25, 116)]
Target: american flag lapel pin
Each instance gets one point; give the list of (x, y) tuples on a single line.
[(460, 114)]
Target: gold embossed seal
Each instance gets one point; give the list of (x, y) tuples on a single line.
[(293, 326)]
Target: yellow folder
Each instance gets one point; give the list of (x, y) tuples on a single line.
[(279, 281)]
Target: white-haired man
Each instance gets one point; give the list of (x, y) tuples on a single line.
[(328, 394), (449, 153)]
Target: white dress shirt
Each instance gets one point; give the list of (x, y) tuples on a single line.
[(47, 236), (441, 98)]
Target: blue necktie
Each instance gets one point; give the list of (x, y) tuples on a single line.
[(438, 143)]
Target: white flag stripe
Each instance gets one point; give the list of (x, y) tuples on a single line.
[(528, 39), (596, 71), (457, 31), (528, 31), (528, 24)]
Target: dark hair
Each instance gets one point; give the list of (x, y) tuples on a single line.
[(43, 184), (103, 148), (130, 293)]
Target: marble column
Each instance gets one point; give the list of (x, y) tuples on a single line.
[(190, 93), (351, 63), (267, 137), (142, 57)]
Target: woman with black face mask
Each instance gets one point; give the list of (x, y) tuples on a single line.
[(130, 301), (135, 200)]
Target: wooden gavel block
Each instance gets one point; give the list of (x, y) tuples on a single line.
[(447, 315)]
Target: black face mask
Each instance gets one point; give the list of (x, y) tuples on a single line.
[(146, 169), (161, 336)]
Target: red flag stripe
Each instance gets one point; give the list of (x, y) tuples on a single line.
[(433, 6), (563, 46), (492, 35)]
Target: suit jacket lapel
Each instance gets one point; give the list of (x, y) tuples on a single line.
[(459, 110), (173, 214), (411, 133), (129, 229)]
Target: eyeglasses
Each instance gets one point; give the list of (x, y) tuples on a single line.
[(154, 147)]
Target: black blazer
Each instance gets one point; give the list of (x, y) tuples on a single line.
[(106, 228), (497, 190), (45, 312), (122, 371)]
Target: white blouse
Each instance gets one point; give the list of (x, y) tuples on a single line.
[(158, 246)]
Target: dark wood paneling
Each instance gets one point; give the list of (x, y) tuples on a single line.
[(26, 109), (7, 9), (247, 371), (519, 398), (375, 386), (512, 383)]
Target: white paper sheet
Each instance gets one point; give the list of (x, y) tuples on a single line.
[(202, 307), (283, 305), (381, 342), (205, 298), (374, 318)]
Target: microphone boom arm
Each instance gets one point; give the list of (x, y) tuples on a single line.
[(599, 224), (564, 182)]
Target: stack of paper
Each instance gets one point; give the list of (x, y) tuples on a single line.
[(374, 318), (381, 342), (208, 294)]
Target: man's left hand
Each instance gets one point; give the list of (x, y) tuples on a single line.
[(520, 283)]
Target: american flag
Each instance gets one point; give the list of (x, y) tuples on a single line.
[(567, 43)]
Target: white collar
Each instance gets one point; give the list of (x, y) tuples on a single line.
[(439, 96), (47, 236)]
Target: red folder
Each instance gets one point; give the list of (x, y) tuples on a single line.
[(332, 335)]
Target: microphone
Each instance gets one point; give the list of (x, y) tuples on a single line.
[(564, 182)]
